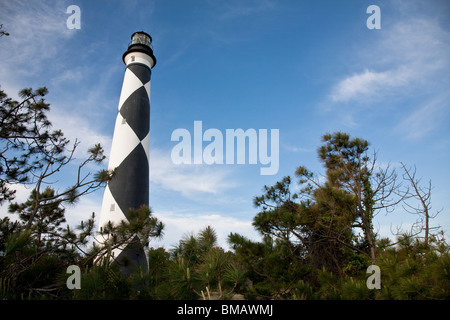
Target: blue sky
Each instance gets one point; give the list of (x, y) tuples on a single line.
[(303, 67)]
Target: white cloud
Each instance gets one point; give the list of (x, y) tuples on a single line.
[(425, 118), (38, 39), (407, 67), (355, 85), (83, 209), (187, 179), (69, 76), (369, 84), (81, 129), (237, 9), (295, 149), (179, 224), (38, 31), (408, 56), (21, 195)]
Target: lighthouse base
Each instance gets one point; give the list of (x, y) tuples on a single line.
[(132, 258)]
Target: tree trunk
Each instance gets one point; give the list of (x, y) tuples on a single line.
[(367, 225)]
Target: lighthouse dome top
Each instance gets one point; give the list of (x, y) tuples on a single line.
[(141, 37), (141, 44)]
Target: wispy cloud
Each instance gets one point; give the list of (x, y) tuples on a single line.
[(292, 148), (38, 31), (409, 63), (189, 180), (79, 128), (69, 76), (426, 118), (235, 9), (178, 224), (410, 53), (369, 84)]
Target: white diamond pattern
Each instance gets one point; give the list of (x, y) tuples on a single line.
[(130, 84), (106, 215), (124, 141)]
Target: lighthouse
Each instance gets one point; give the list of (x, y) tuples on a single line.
[(129, 157)]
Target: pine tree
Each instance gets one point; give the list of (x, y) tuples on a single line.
[(37, 248), (199, 269)]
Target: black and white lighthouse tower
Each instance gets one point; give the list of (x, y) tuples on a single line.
[(129, 187)]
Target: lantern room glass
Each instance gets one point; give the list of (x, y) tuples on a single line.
[(141, 38)]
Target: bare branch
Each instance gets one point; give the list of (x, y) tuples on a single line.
[(423, 195)]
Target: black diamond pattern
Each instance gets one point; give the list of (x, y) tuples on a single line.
[(141, 71), (132, 256), (129, 185), (136, 111)]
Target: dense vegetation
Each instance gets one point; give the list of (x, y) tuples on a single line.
[(316, 243)]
